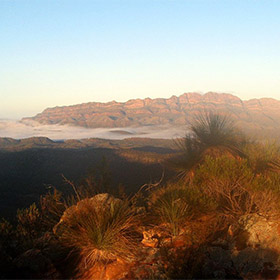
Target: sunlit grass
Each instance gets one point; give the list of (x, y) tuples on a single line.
[(102, 234), (176, 204)]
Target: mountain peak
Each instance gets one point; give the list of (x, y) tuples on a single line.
[(176, 110)]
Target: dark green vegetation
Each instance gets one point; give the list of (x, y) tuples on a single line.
[(223, 181)]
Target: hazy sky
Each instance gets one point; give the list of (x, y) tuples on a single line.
[(62, 52)]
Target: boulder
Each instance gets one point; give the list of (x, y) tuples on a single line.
[(249, 250), (259, 232), (256, 246)]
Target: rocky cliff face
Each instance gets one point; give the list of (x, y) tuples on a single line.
[(261, 113)]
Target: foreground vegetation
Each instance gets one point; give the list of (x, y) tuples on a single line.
[(172, 230)]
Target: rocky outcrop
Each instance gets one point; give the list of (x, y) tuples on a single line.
[(259, 231), (252, 114), (205, 248), (251, 250)]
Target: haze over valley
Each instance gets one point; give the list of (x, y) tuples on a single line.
[(26, 129), (150, 118)]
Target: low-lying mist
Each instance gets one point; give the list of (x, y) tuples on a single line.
[(26, 129)]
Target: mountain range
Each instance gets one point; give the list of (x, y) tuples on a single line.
[(260, 114)]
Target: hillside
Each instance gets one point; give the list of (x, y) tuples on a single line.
[(254, 114), (154, 145)]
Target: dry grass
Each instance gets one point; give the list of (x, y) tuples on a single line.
[(174, 205), (263, 158), (232, 184), (29, 222), (102, 234), (52, 207)]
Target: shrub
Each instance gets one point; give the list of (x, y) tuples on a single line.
[(7, 235), (52, 207), (101, 234), (232, 184), (263, 158), (183, 263), (6, 230), (29, 222), (175, 204), (210, 134)]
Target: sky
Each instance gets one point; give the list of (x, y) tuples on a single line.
[(64, 52)]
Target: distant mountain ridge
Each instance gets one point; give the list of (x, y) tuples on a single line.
[(261, 113)]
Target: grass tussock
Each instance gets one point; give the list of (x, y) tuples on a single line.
[(174, 205), (263, 158), (210, 134), (102, 234)]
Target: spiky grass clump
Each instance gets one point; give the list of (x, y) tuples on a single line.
[(175, 204), (209, 134), (102, 234), (263, 158)]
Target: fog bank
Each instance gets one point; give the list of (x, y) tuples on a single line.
[(26, 129)]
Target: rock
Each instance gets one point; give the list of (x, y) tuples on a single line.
[(153, 243), (150, 238), (217, 263), (254, 261), (254, 246), (250, 250), (256, 231)]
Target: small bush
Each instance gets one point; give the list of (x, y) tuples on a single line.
[(263, 158), (234, 187), (175, 204), (6, 230), (102, 234), (52, 207), (7, 237), (210, 134), (29, 222)]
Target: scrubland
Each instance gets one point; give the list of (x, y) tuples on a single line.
[(217, 217)]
